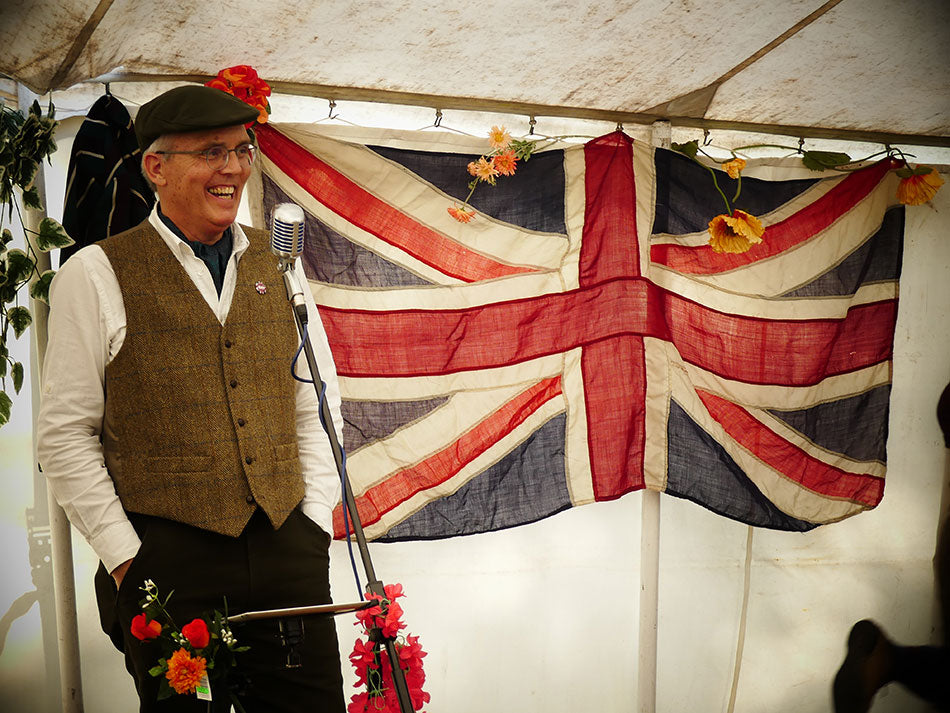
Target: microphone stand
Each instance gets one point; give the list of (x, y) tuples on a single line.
[(375, 586)]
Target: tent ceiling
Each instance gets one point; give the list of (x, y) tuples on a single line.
[(847, 65)]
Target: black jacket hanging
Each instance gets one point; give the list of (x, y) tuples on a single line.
[(105, 191)]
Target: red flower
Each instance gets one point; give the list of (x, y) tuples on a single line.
[(143, 629), (197, 633), (242, 82)]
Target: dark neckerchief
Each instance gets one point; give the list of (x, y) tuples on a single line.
[(214, 256)]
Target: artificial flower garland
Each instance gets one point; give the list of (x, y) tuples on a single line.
[(734, 231), (372, 665)]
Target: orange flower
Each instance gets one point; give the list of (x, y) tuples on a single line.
[(484, 170), (242, 82), (499, 138), (919, 188), (505, 163), (461, 214), (736, 233), (734, 167), (184, 672)]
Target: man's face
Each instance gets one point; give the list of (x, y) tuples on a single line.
[(200, 201)]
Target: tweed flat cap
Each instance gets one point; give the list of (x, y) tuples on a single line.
[(189, 108)]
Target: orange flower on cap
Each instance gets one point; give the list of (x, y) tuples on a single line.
[(918, 185), (242, 82), (736, 233)]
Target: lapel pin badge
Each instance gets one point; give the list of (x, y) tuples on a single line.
[(260, 287)]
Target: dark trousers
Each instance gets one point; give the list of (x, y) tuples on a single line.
[(925, 670), (262, 569)]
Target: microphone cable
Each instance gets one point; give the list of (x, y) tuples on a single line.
[(346, 515)]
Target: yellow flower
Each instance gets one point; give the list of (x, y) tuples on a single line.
[(736, 233), (461, 214), (184, 672), (484, 170), (734, 167), (919, 188), (499, 138)]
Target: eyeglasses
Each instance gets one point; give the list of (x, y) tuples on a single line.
[(218, 156)]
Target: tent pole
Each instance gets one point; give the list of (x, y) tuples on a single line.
[(650, 548), (60, 542)]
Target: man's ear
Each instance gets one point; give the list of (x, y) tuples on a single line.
[(154, 168)]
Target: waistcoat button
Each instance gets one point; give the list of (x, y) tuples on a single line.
[(241, 422), (248, 460), (227, 343), (249, 499), (233, 383)]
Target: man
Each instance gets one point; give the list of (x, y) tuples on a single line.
[(171, 430)]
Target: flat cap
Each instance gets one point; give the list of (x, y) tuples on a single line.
[(189, 108)]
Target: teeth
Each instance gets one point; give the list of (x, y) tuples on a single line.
[(222, 191)]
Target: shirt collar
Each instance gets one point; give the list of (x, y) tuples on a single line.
[(240, 242)]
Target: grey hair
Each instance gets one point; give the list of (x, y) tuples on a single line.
[(165, 142)]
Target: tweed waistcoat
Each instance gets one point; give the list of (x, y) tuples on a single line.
[(200, 417)]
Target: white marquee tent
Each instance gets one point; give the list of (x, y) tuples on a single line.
[(550, 616)]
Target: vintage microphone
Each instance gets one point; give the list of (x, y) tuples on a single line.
[(287, 241)]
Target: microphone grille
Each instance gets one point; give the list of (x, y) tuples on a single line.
[(288, 229)]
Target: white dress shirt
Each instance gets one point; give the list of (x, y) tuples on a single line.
[(86, 330)]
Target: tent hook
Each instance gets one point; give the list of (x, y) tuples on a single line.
[(438, 118), (332, 107), (531, 122), (706, 138), (801, 144), (108, 93), (619, 126)]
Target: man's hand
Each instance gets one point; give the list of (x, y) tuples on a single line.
[(118, 574)]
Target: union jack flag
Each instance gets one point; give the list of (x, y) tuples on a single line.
[(579, 339)]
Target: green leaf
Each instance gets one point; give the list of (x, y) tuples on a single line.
[(822, 160), (19, 266), (158, 670), (7, 237), (3, 368), (523, 149), (690, 148), (52, 235), (31, 199), (5, 405), (20, 318), (17, 374), (39, 290), (907, 171)]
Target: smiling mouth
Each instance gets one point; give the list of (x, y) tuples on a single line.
[(223, 191)]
